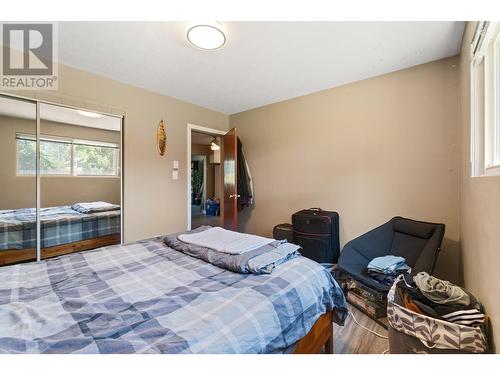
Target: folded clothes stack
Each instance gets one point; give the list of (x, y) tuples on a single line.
[(385, 269), (428, 295)]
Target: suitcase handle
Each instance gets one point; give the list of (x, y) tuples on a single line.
[(316, 209)]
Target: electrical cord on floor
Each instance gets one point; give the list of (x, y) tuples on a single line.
[(367, 329)]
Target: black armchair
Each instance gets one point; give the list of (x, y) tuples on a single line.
[(416, 241)]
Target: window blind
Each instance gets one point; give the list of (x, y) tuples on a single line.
[(481, 40)]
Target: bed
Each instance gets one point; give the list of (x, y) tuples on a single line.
[(146, 297), (63, 230)]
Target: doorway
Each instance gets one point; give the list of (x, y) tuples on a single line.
[(205, 192), (204, 177)]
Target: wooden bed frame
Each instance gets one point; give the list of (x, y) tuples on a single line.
[(21, 255), (320, 336)]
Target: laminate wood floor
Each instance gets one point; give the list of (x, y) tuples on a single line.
[(198, 218), (352, 339)]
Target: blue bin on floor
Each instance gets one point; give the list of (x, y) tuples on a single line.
[(212, 208)]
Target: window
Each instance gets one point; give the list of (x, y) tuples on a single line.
[(67, 157), (485, 97), (55, 157), (26, 156), (95, 159)]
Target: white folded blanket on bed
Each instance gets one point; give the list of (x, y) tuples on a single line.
[(225, 241), (91, 207)]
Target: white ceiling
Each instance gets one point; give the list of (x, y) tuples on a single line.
[(27, 110), (262, 62)]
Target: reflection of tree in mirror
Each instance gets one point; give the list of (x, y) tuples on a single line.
[(56, 158), (26, 156), (94, 160)]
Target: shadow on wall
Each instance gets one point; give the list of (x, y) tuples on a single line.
[(244, 218), (449, 263), (491, 338)]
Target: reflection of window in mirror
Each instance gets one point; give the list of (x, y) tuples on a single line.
[(67, 156)]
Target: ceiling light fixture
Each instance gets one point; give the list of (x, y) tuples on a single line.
[(207, 36), (214, 146), (89, 114)]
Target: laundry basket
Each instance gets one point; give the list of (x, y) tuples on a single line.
[(212, 208), (410, 332)]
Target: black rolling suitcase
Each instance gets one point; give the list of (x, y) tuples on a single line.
[(283, 232), (317, 232)]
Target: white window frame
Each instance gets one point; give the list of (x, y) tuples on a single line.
[(73, 142), (485, 100)]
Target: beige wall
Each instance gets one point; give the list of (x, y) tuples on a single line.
[(370, 150), (154, 203), (480, 211), (19, 191)]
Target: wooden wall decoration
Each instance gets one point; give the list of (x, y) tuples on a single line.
[(161, 138)]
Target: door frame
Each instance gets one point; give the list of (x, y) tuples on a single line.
[(198, 129)]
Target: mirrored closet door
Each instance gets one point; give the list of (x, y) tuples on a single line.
[(17, 180), (80, 190), (79, 180)]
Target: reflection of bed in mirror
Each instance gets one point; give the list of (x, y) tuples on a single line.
[(64, 230), (79, 160)]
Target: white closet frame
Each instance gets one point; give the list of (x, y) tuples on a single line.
[(37, 103)]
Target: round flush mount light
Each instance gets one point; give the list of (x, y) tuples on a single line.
[(207, 36)]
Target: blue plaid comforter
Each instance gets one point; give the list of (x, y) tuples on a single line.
[(148, 298), (59, 225)]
